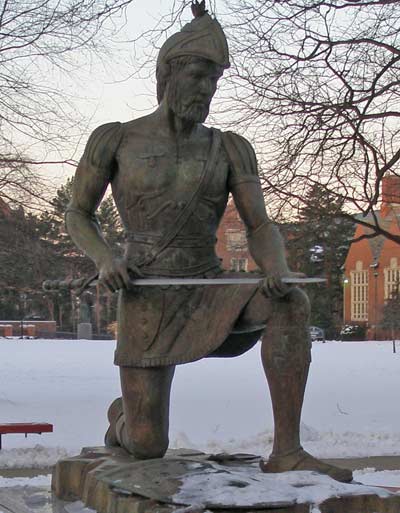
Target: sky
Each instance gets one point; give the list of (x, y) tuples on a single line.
[(115, 90)]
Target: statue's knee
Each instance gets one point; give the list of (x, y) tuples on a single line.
[(287, 347), (299, 305)]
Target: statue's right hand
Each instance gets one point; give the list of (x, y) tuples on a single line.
[(114, 274)]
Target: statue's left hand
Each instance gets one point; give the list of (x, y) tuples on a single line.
[(273, 286)]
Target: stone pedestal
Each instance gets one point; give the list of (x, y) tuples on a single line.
[(85, 331), (111, 481)]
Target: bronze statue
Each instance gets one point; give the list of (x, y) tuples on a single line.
[(170, 178)]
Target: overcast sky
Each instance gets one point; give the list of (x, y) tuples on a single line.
[(116, 92)]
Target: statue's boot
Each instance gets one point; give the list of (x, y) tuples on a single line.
[(302, 460), (115, 412)]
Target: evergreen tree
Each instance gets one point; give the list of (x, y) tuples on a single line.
[(37, 248), (25, 259), (317, 245), (74, 263)]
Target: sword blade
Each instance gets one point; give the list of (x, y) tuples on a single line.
[(151, 282)]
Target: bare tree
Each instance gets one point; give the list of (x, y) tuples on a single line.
[(43, 42), (322, 97), (315, 83)]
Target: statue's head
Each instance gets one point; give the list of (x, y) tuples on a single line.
[(190, 63)]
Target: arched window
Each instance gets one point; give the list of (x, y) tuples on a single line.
[(359, 293)]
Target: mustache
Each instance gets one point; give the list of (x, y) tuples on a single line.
[(202, 101)]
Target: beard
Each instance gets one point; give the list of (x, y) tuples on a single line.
[(195, 111), (191, 109)]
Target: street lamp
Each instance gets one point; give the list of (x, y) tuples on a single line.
[(22, 298), (345, 282), (375, 266)]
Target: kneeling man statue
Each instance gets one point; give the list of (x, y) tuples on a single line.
[(170, 177)]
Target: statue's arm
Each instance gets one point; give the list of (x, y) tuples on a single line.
[(264, 239), (92, 177)]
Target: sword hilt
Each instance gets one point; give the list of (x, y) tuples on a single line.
[(78, 285)]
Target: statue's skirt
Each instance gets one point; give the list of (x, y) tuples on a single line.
[(171, 325)]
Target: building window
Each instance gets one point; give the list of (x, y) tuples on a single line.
[(236, 240), (359, 293), (392, 278), (239, 264)]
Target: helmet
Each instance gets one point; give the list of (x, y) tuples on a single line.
[(203, 37)]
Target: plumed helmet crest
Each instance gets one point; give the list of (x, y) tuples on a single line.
[(202, 37), (199, 8)]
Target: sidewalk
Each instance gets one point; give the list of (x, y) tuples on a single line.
[(376, 462), (24, 472)]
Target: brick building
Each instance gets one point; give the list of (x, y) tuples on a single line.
[(28, 328), (372, 266), (5, 210), (232, 244)]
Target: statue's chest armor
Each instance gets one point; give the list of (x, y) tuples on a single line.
[(155, 181)]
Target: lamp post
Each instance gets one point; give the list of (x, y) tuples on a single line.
[(375, 266), (22, 298), (345, 282)]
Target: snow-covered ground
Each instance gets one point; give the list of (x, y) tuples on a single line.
[(351, 406)]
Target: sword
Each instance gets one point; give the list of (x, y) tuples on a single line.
[(151, 282), (79, 285)]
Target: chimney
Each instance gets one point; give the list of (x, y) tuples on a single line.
[(390, 194)]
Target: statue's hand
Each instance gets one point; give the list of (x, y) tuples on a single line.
[(273, 286), (114, 274)]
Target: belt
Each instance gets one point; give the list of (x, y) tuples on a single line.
[(180, 241)]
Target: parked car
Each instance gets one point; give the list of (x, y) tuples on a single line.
[(317, 333), (352, 332)]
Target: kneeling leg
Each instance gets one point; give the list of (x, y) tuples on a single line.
[(139, 421)]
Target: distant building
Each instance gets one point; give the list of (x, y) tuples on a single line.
[(372, 266), (28, 328), (5, 210), (232, 243)]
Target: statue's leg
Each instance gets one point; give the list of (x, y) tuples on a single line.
[(139, 421), (286, 357)]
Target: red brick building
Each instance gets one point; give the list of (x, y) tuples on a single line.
[(372, 266), (28, 328), (4, 208), (232, 244)]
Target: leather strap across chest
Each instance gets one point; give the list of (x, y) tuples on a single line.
[(190, 207)]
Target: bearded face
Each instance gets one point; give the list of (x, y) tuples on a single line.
[(191, 87)]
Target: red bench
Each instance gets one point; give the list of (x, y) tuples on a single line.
[(28, 427)]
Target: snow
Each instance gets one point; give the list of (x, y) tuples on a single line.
[(221, 489), (36, 456), (351, 405), (37, 481), (370, 476), (77, 507)]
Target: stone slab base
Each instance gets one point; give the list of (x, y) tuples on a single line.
[(111, 481), (33, 499)]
